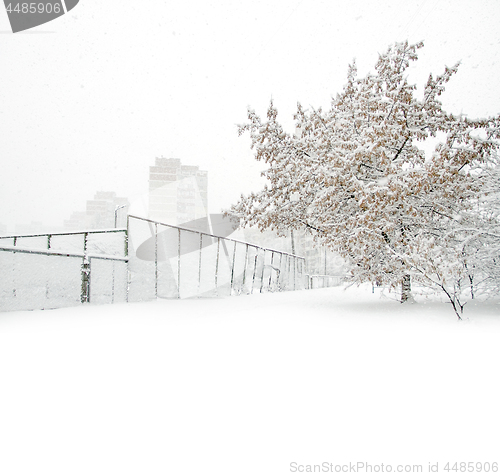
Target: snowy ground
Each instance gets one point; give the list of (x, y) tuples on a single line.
[(250, 385)]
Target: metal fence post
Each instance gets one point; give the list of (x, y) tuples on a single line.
[(126, 255), (271, 273), (254, 269), (199, 264), (126, 236), (113, 284), (156, 260), (245, 268), (217, 267), (302, 270), (287, 264), (262, 274), (294, 273), (279, 275), (179, 265), (85, 295), (232, 269)]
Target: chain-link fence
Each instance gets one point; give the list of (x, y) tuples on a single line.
[(63, 269), (148, 260)]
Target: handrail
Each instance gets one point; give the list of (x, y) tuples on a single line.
[(216, 236), (67, 233), (15, 249)]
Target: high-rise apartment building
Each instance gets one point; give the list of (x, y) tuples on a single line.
[(177, 193)]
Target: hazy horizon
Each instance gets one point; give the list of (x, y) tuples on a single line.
[(90, 106)]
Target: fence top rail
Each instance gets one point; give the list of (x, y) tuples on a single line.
[(66, 233), (107, 257), (15, 249), (215, 236)]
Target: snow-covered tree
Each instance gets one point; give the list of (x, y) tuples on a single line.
[(481, 236), (356, 175), (457, 248)]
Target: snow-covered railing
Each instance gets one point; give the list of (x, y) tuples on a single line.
[(173, 262), (110, 241), (41, 279), (148, 260)]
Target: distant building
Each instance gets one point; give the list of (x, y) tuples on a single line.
[(177, 193), (100, 213), (30, 228), (104, 208), (77, 221)]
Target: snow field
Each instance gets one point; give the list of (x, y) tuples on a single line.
[(247, 385)]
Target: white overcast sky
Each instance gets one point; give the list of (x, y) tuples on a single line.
[(89, 100)]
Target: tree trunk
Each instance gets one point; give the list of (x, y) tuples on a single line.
[(471, 280), (405, 288)]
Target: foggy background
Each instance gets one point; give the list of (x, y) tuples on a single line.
[(89, 100)]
